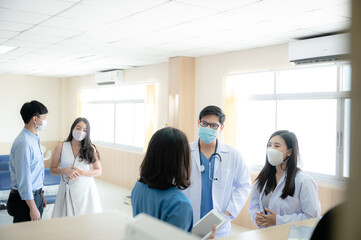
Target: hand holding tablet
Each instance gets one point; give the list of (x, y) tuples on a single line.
[(203, 228)]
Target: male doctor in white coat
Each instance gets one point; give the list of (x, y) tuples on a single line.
[(219, 179)]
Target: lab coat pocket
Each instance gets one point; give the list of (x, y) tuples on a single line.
[(222, 189), (222, 176)]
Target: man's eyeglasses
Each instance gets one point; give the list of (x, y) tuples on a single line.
[(214, 126)]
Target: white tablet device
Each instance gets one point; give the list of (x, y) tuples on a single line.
[(203, 228)]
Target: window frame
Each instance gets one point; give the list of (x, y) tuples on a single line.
[(340, 95), (115, 126)]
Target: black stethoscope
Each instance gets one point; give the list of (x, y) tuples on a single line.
[(203, 168)]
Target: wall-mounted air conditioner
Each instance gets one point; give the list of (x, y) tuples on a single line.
[(320, 49), (109, 77)]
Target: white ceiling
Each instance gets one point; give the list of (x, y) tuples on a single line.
[(64, 38)]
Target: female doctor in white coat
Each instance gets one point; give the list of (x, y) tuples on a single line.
[(282, 192), (219, 178)]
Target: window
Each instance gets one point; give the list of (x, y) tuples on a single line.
[(118, 114), (312, 102)]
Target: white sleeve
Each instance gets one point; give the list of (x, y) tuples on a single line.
[(309, 202), (254, 205), (241, 188)]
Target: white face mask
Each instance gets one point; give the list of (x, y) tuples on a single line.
[(275, 157), (79, 135), (42, 126)]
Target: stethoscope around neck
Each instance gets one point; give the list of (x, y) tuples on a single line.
[(215, 154)]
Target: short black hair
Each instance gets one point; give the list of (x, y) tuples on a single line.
[(31, 109), (167, 160), (215, 111)]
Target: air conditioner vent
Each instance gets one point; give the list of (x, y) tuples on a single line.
[(319, 50), (338, 58), (113, 77)]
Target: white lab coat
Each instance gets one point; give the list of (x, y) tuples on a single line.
[(229, 193), (303, 205)]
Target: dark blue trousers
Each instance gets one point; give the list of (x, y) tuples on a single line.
[(18, 208)]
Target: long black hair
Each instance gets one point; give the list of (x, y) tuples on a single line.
[(268, 173), (167, 160), (86, 152)]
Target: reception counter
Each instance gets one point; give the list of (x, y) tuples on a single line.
[(111, 225), (279, 232), (108, 225)]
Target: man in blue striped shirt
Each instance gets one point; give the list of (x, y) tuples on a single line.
[(26, 199)]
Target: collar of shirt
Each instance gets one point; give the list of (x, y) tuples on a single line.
[(30, 134)]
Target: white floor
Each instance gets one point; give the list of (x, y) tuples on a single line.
[(112, 199)]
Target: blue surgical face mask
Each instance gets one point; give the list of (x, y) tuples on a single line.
[(207, 134)]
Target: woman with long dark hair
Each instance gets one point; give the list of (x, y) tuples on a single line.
[(282, 193), (77, 161)]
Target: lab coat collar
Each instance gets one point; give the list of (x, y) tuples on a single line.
[(222, 147), (283, 179)]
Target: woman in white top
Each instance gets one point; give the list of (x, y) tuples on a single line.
[(77, 161), (282, 193)]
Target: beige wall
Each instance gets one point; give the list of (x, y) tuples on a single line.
[(15, 90)]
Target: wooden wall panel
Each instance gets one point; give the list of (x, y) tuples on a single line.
[(181, 94), (324, 194), (337, 196), (120, 167)]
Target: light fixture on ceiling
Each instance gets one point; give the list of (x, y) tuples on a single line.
[(34, 71), (88, 58), (5, 49)]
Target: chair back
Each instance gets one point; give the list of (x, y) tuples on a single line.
[(4, 166), (4, 158), (5, 180), (50, 179)]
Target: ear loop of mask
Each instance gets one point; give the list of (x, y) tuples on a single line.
[(288, 158)]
